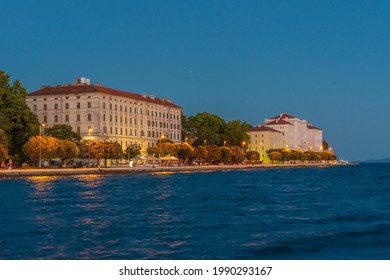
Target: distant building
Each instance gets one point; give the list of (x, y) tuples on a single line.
[(287, 132), (263, 138), (109, 114)]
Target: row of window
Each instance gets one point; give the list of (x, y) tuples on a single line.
[(89, 118), (89, 106)]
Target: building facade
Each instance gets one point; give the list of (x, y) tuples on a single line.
[(263, 138), (285, 131), (298, 133), (107, 114)]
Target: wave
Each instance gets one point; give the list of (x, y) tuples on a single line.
[(364, 243)]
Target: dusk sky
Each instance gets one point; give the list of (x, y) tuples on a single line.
[(324, 61)]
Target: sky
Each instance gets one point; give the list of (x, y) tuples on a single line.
[(327, 62)]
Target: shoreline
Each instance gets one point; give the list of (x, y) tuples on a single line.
[(149, 169)]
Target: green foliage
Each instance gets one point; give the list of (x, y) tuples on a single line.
[(132, 150), (226, 155), (205, 126), (236, 132), (113, 150), (16, 118), (3, 146), (215, 154), (63, 132), (325, 145)]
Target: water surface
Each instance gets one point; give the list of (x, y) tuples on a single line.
[(287, 213)]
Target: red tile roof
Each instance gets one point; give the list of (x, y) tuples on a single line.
[(263, 128), (283, 116), (313, 127), (277, 122), (67, 89)]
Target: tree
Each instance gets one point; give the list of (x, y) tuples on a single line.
[(114, 150), (3, 146), (48, 146), (67, 149), (325, 145), (215, 154), (63, 132), (275, 156), (201, 153), (226, 156), (253, 156), (16, 118), (185, 151), (205, 126), (132, 150), (236, 132), (237, 154), (163, 148)]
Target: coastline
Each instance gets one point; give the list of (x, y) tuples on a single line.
[(149, 169)]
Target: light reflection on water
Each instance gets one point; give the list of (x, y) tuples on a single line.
[(275, 213)]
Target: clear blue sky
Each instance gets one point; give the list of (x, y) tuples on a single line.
[(324, 61)]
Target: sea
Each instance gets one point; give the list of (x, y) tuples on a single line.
[(306, 213)]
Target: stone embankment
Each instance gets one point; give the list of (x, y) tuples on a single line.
[(146, 169)]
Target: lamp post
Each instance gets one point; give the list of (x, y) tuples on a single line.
[(89, 146), (224, 143), (159, 149), (40, 145), (243, 147)]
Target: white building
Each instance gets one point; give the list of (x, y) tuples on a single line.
[(298, 134), (110, 114)]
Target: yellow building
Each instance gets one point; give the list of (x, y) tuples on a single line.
[(264, 138)]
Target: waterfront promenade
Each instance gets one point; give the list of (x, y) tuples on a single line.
[(20, 172)]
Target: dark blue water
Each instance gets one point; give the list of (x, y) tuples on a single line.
[(302, 213)]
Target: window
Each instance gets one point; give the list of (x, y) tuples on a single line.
[(104, 105), (56, 106), (66, 106), (56, 118), (78, 105), (89, 105), (44, 106), (78, 129), (89, 117), (78, 119), (45, 119), (67, 118), (104, 117), (110, 118), (35, 107)]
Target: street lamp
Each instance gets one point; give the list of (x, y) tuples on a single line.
[(159, 149), (224, 143), (40, 145), (243, 147), (89, 146)]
